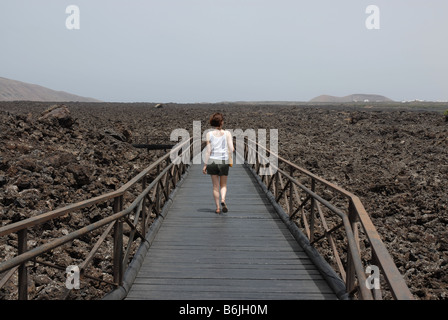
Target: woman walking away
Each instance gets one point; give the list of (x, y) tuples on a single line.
[(218, 152)]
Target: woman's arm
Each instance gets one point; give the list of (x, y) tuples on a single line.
[(230, 142), (207, 152)]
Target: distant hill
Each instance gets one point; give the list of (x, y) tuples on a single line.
[(12, 90), (352, 98)]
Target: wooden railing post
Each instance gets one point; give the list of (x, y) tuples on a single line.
[(143, 219), (118, 243), (354, 222), (276, 184), (23, 272), (257, 161), (351, 275), (291, 190), (157, 198), (376, 292), (313, 203)]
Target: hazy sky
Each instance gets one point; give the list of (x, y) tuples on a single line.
[(227, 50)]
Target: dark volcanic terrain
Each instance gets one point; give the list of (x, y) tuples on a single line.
[(396, 161)]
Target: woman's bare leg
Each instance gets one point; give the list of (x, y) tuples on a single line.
[(216, 186), (223, 185)]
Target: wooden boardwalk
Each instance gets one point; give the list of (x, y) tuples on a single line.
[(246, 253)]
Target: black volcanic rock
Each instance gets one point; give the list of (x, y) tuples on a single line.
[(57, 114), (396, 161)]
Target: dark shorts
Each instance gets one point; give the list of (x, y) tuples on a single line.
[(218, 167)]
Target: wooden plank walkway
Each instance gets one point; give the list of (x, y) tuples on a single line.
[(246, 253)]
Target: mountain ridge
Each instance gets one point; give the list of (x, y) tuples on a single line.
[(14, 90), (358, 97)]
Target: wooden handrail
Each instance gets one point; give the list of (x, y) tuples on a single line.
[(398, 287), (39, 219), (116, 219)]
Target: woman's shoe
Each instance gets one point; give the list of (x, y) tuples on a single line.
[(217, 211), (224, 207)]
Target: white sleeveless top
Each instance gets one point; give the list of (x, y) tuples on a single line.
[(218, 146)]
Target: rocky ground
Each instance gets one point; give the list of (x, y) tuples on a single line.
[(396, 161)]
